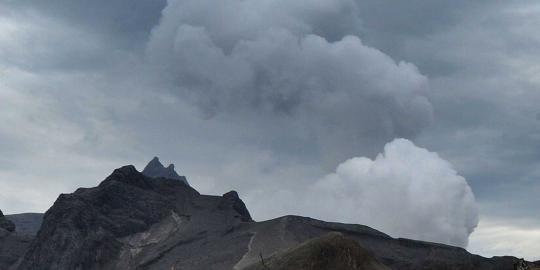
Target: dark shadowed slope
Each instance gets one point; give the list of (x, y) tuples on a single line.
[(156, 169), (330, 251)]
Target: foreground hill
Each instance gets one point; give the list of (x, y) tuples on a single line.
[(134, 221), (331, 251)]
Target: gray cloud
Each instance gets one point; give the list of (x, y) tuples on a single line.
[(273, 64), (125, 22), (71, 36), (485, 110)]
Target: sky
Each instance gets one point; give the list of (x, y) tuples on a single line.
[(418, 118)]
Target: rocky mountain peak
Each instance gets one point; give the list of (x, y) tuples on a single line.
[(115, 225), (156, 169)]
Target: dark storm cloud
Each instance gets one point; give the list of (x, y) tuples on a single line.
[(74, 35), (412, 18), (486, 109), (395, 27)]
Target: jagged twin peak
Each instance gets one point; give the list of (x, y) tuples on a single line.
[(156, 169)]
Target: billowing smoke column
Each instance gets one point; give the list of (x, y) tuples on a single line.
[(406, 191), (300, 70), (296, 62)]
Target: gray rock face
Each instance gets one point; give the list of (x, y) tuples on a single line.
[(26, 223), (156, 169)]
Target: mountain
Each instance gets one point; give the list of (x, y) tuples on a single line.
[(156, 169), (135, 221), (131, 221)]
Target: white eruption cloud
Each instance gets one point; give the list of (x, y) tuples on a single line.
[(296, 61), (406, 191)]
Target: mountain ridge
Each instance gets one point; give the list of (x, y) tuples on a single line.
[(134, 221)]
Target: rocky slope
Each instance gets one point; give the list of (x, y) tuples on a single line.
[(134, 221)]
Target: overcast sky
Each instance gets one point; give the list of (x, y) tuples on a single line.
[(419, 118)]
